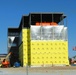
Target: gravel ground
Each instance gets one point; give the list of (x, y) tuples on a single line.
[(39, 71)]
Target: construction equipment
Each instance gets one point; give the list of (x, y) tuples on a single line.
[(5, 62)]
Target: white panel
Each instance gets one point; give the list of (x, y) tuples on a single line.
[(35, 32), (57, 32), (10, 41), (47, 33), (65, 33), (12, 38)]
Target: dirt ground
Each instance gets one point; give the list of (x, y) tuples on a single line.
[(68, 70), (38, 69)]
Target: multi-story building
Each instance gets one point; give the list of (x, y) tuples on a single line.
[(40, 40)]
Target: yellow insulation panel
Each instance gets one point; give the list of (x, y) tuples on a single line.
[(25, 34), (49, 52), (26, 45)]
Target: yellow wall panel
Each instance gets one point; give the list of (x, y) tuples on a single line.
[(26, 45), (50, 52)]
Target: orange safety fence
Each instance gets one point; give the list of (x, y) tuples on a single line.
[(46, 24), (53, 23)]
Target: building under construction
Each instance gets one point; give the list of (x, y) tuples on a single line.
[(40, 40)]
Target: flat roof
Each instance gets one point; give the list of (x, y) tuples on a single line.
[(35, 17), (13, 29), (47, 16), (46, 13), (57, 13), (3, 55)]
